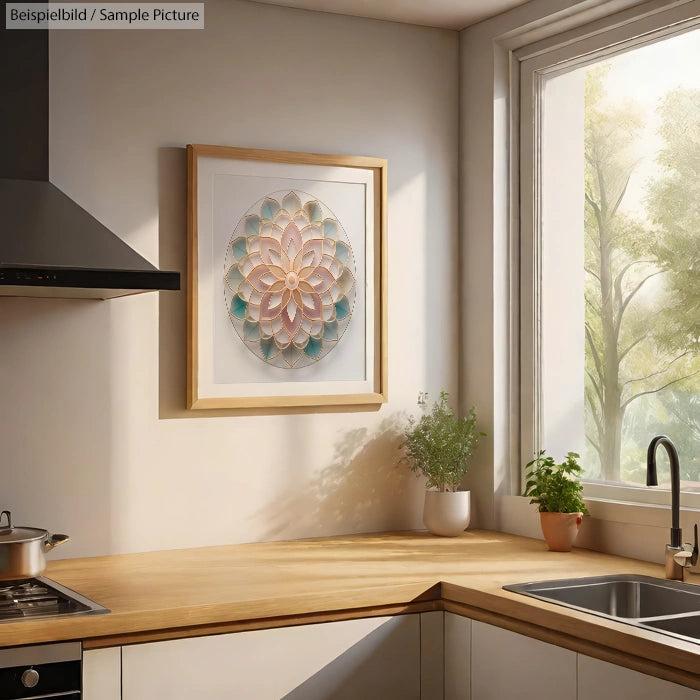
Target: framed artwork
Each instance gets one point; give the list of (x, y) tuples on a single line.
[(287, 286)]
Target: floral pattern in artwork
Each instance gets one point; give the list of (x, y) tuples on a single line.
[(290, 281)]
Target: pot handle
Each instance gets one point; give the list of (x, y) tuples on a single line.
[(54, 541), (9, 520)]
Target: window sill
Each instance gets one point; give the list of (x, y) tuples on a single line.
[(649, 514), (633, 530)]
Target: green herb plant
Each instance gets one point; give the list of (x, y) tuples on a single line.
[(555, 488), (439, 445)]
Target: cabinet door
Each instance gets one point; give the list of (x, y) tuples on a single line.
[(458, 633), (432, 655), (102, 674), (367, 658), (506, 666), (600, 680)]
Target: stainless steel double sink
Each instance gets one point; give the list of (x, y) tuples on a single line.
[(670, 607)]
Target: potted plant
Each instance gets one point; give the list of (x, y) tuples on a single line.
[(439, 446), (558, 493)]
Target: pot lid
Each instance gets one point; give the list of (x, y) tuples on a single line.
[(12, 535)]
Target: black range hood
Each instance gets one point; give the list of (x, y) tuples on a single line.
[(49, 245)]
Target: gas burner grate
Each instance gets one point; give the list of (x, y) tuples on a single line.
[(40, 597)]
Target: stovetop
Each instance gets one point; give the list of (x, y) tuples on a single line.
[(41, 597)]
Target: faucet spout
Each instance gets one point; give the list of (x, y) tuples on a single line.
[(652, 480)]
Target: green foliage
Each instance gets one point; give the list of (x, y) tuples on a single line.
[(555, 488), (672, 202), (439, 445), (642, 313)]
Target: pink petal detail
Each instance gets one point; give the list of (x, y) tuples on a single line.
[(291, 235), (289, 325), (261, 278), (320, 279), (270, 250), (312, 306), (272, 304), (310, 255)]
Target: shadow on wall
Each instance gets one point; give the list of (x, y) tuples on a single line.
[(362, 490), (384, 664)]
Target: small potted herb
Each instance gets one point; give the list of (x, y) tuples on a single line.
[(558, 493), (438, 446)]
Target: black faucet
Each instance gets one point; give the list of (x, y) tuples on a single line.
[(678, 557)]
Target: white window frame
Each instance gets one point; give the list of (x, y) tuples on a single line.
[(530, 65)]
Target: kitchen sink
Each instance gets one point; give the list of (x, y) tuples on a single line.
[(670, 607)]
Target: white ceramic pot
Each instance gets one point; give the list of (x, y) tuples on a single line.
[(447, 513)]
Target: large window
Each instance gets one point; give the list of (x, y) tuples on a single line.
[(610, 216)]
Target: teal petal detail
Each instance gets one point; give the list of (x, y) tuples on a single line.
[(342, 308), (269, 348), (342, 252), (330, 228), (313, 347), (252, 225), (330, 330), (251, 330), (313, 209), (346, 281), (239, 248), (291, 203), (238, 307), (269, 208), (233, 277)]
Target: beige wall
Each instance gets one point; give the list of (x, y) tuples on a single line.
[(95, 438)]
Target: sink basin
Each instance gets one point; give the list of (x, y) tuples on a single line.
[(622, 595), (687, 626), (670, 607)]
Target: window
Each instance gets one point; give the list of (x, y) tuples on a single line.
[(610, 251)]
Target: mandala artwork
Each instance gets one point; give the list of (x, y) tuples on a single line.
[(289, 280)]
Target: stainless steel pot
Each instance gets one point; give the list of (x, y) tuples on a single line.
[(22, 549)]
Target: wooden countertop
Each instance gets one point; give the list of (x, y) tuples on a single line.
[(182, 593)]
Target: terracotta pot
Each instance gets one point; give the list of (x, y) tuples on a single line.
[(560, 529), (447, 513)]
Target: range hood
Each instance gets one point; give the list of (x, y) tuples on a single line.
[(49, 245)]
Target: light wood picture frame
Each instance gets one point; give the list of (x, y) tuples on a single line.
[(287, 279)]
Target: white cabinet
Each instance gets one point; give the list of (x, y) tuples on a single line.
[(509, 666), (432, 654), (102, 674), (458, 639), (365, 658), (600, 680), (426, 656)]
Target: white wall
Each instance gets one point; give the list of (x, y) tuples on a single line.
[(95, 438)]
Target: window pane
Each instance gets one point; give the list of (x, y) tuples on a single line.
[(620, 218)]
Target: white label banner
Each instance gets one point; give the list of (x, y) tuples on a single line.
[(113, 15)]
